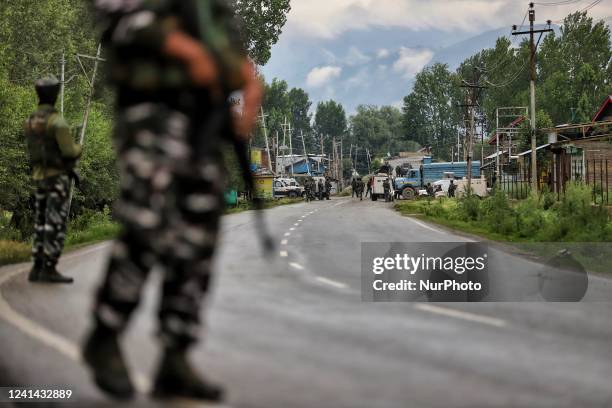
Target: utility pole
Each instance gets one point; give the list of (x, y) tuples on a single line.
[(92, 84), (63, 79), (472, 98), (265, 130), (305, 153), (533, 47)]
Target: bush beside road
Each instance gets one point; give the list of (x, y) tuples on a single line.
[(538, 219)]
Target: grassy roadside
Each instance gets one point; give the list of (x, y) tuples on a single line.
[(532, 227), (12, 252)]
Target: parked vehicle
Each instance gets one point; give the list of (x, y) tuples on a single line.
[(378, 190), (287, 188), (409, 187)]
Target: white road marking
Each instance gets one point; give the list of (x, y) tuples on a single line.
[(287, 234), (52, 340), (284, 254), (296, 266), (335, 284), (426, 226), (297, 224), (284, 242), (291, 229), (457, 314)]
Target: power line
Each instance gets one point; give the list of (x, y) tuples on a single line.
[(559, 3)]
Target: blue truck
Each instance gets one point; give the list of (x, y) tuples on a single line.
[(414, 180)]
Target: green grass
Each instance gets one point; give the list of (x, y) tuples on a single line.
[(528, 223)]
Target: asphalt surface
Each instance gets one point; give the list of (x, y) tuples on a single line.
[(292, 330)]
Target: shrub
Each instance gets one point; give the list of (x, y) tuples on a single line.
[(469, 208)]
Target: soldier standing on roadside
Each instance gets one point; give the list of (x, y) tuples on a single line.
[(174, 63), (53, 155)]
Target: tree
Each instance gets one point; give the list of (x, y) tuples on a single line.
[(299, 105), (329, 122), (262, 24), (575, 69), (431, 116)]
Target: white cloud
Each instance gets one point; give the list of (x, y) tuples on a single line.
[(383, 53), (320, 76), (411, 61), (328, 19), (356, 57), (359, 80)]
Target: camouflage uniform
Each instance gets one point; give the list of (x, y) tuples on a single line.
[(171, 195), (170, 206), (52, 155)]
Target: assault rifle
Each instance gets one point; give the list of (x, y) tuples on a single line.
[(214, 25)]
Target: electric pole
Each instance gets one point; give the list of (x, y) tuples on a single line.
[(472, 98), (63, 79), (265, 131), (92, 84), (305, 154), (533, 48)]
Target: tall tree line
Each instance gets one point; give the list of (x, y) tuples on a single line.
[(33, 36)]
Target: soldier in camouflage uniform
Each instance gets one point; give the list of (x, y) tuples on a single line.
[(171, 194), (53, 154)]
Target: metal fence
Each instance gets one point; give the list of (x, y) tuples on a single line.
[(597, 175)]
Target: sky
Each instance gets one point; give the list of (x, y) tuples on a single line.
[(369, 51)]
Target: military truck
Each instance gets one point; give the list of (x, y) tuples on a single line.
[(408, 187)]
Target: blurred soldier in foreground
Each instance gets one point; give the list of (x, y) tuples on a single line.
[(175, 63), (53, 155)]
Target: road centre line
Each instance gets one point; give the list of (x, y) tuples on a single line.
[(287, 234), (426, 226), (296, 266), (457, 314), (330, 282), (284, 254), (284, 242)]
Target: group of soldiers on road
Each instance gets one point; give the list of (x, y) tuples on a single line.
[(317, 190), (168, 133)]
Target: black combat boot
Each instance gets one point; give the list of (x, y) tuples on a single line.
[(49, 274), (177, 379), (103, 356), (37, 268)]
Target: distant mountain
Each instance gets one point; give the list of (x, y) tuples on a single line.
[(455, 54)]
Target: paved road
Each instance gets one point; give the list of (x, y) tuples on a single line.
[(292, 331)]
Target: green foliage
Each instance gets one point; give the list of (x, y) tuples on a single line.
[(539, 218), (431, 116), (379, 130), (280, 104), (262, 24), (329, 122), (574, 77)]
